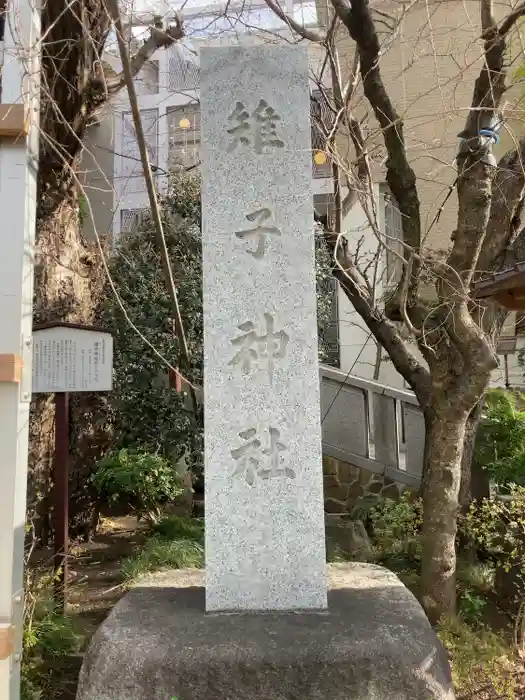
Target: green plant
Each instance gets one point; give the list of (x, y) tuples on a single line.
[(143, 479), (471, 606), (173, 527), (48, 637), (396, 531), (160, 553), (145, 410), (500, 440), (497, 526), (475, 575)]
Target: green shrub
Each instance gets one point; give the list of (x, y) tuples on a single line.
[(500, 440), (475, 575), (144, 480), (48, 637), (173, 527), (471, 606), (497, 526), (396, 532), (160, 553)]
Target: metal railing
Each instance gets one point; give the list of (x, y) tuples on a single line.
[(372, 426)]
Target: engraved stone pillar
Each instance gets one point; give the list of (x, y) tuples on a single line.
[(265, 545)]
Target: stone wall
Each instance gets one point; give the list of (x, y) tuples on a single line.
[(345, 485)]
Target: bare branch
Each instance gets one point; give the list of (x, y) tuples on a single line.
[(511, 19), (159, 38), (400, 176), (476, 163), (384, 330), (508, 190), (309, 34)]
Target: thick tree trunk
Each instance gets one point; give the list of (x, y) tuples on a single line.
[(445, 426), (67, 281)]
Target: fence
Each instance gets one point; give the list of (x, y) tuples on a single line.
[(372, 426)]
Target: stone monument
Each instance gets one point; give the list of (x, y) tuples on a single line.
[(265, 545), (264, 627)]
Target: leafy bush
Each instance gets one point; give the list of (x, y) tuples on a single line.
[(396, 531), (146, 413), (48, 637), (471, 606), (144, 480), (500, 440), (497, 526)]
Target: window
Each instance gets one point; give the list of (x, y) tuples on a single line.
[(184, 136), (393, 236), (183, 69), (321, 117), (130, 219), (131, 164)]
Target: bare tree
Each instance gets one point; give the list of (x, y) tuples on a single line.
[(455, 335)]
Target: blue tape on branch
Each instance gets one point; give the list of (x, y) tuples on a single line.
[(489, 133)]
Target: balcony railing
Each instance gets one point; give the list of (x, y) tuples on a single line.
[(372, 426)]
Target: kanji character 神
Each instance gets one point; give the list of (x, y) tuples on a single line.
[(259, 349)]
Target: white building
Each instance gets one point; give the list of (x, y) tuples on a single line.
[(168, 94)]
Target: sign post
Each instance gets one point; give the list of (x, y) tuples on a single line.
[(61, 496), (67, 358)]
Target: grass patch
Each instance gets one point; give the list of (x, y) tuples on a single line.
[(178, 543), (49, 637), (175, 528), (481, 660)]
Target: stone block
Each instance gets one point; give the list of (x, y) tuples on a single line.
[(365, 477), (338, 493), (351, 537), (373, 643), (355, 492), (348, 472), (333, 506), (375, 487), (330, 480), (330, 465), (392, 491)]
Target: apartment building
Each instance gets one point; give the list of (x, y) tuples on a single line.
[(429, 64)]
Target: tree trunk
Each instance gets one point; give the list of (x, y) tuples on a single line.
[(469, 469), (445, 426), (67, 281)]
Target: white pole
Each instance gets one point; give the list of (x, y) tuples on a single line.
[(18, 173)]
